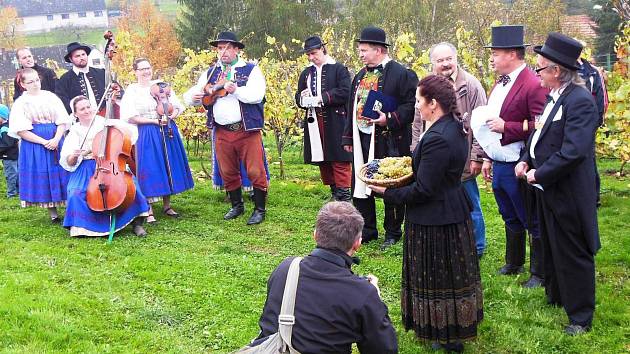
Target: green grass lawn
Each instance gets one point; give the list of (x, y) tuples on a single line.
[(197, 284), (93, 36)]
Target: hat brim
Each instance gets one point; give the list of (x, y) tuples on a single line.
[(317, 46), (538, 50), (87, 49), (239, 45), (373, 42), (506, 46)]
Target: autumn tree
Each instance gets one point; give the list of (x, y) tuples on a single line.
[(9, 21), (144, 32)]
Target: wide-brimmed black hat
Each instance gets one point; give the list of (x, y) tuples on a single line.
[(508, 37), (75, 46), (313, 42), (561, 49), (229, 37), (373, 35)]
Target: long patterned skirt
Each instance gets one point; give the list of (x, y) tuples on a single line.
[(441, 294), (83, 221), (152, 162), (42, 180)]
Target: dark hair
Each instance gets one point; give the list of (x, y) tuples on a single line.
[(440, 89), (138, 61), (338, 226), (520, 53)]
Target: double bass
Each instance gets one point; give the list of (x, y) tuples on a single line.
[(111, 188)]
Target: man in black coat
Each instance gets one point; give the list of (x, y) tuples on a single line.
[(333, 307), (81, 79), (47, 77), (388, 135), (559, 162), (323, 91)]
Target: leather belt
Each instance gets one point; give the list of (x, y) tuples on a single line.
[(234, 127)]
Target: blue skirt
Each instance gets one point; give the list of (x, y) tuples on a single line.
[(42, 180), (217, 180), (81, 220), (151, 162)]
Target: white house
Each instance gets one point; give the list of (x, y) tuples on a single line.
[(44, 15)]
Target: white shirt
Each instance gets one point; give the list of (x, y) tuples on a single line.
[(42, 108), (318, 69), (226, 110), (90, 93), (500, 92), (555, 95)]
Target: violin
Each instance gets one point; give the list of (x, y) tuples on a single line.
[(213, 92), (161, 91), (111, 188)]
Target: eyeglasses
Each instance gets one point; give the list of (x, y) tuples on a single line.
[(538, 70), (143, 69)]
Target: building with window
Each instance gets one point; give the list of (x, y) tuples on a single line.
[(44, 15)]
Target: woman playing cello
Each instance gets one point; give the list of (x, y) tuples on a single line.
[(39, 119), (77, 158), (162, 164)]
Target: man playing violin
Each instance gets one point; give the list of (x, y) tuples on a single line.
[(237, 119)]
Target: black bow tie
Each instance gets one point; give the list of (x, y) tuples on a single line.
[(503, 79), (550, 99), (378, 67)]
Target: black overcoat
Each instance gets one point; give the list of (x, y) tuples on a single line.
[(69, 86), (335, 89), (401, 83), (564, 164)]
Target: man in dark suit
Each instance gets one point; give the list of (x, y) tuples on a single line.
[(516, 99), (81, 79), (47, 77), (559, 162), (333, 307), (388, 135), (328, 83)]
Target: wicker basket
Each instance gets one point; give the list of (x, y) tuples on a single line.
[(388, 183)]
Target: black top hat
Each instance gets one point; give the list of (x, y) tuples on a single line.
[(507, 37), (75, 46), (373, 35), (311, 43), (229, 37), (561, 49)]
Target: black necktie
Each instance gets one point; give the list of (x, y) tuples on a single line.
[(378, 67), (503, 79)]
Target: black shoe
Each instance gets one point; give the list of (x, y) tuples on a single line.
[(260, 199), (343, 195), (238, 208), (55, 220), (456, 347), (388, 243), (509, 269), (368, 239), (575, 330), (534, 281)]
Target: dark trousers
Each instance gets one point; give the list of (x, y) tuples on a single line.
[(509, 197), (569, 266)]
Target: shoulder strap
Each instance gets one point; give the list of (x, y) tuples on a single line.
[(286, 320)]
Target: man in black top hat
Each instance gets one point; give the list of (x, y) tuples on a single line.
[(388, 135), (514, 102), (47, 77), (323, 91), (559, 162), (81, 79), (237, 120)]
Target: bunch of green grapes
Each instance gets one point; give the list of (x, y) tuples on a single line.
[(393, 167)]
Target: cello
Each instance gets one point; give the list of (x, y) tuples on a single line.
[(111, 188)]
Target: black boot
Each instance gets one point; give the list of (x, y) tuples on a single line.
[(536, 277), (333, 193), (343, 195), (237, 209), (514, 252), (258, 215)]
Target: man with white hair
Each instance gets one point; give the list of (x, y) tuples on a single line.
[(470, 95)]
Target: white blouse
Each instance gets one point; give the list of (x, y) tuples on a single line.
[(42, 108), (137, 101)]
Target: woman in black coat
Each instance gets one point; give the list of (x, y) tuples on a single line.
[(441, 295), (323, 91)]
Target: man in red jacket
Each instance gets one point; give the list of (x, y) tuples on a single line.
[(518, 98)]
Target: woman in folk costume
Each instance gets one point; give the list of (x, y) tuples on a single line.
[(323, 91), (78, 159), (161, 172), (39, 119)]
